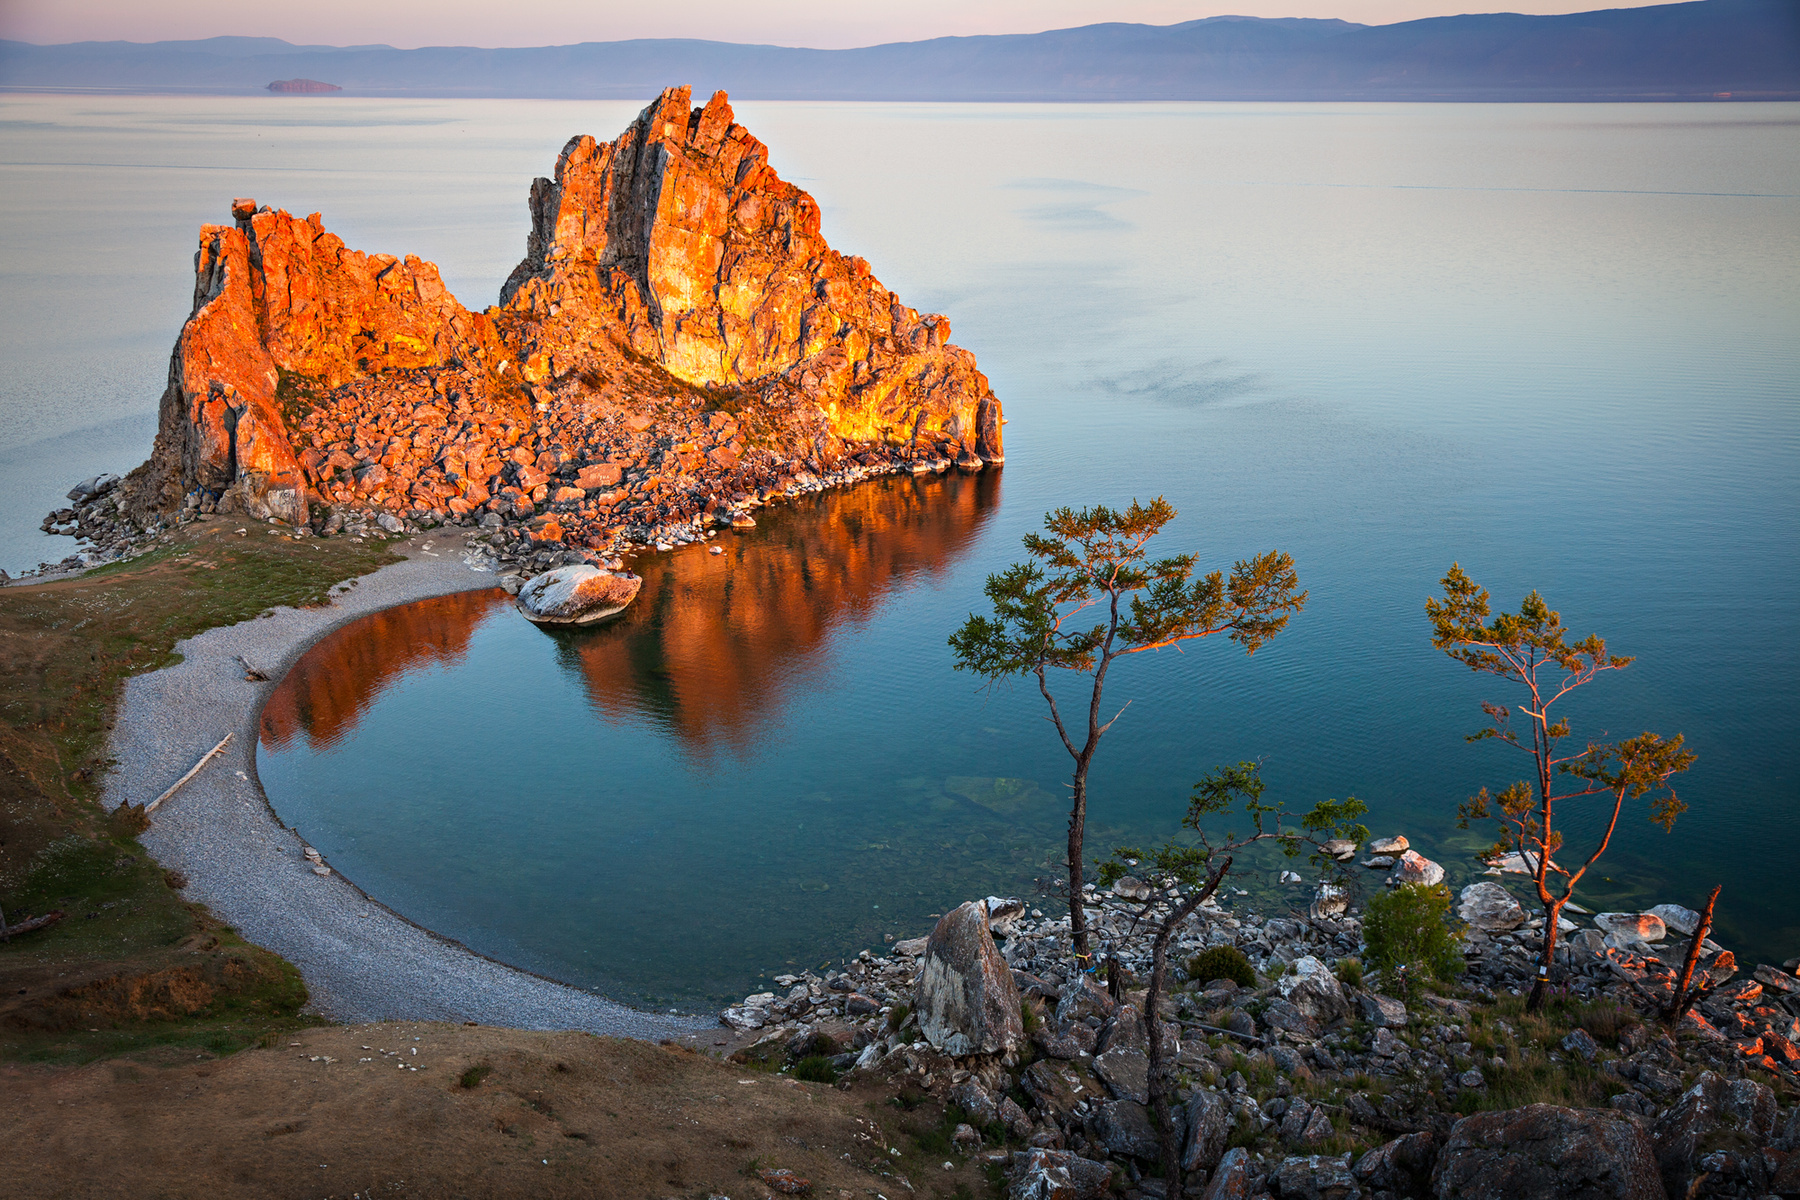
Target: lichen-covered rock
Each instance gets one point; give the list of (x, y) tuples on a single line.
[(967, 1002), (1208, 1128), (1315, 1177), (1125, 1128), (1714, 1111), (1546, 1152), (1315, 991), (577, 595), (1490, 908), (1056, 1175), (1231, 1181), (1402, 1166), (1125, 1072)]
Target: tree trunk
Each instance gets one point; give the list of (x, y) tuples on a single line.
[(1078, 932), (1167, 1137), (1540, 989), (1682, 1000)]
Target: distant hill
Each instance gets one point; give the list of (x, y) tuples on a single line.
[(1749, 48)]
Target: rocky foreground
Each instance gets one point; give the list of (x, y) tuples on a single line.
[(678, 345), (1304, 1085)]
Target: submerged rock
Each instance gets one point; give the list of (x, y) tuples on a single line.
[(577, 595)]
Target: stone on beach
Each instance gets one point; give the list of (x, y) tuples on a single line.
[(577, 595), (1490, 908), (967, 1002)]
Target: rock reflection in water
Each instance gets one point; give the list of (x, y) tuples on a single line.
[(334, 683), (714, 639), (711, 640)]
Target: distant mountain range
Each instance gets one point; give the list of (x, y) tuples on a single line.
[(1748, 48)]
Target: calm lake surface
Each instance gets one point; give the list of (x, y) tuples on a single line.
[(1560, 344)]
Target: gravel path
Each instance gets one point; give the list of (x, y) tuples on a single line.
[(361, 961)]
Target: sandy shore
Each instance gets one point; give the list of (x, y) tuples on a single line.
[(361, 962)]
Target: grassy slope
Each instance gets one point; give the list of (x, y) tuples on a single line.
[(132, 965)]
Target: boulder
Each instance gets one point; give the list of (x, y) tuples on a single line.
[(975, 1101), (1742, 1109), (582, 594), (1547, 1152), (1402, 1166), (1414, 867), (1284, 1015), (1383, 1012), (1018, 1124), (966, 1001), (1490, 908), (1045, 1083), (1129, 887), (1056, 1175), (1341, 849), (1395, 845), (1329, 901), (1231, 1181), (1315, 991), (1126, 1073), (1003, 914), (1125, 1128), (1315, 1177), (1627, 927), (1208, 1126), (1681, 920)]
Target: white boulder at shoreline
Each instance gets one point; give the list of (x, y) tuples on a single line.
[(581, 594)]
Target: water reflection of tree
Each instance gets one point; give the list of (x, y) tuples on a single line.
[(714, 641), (328, 690)]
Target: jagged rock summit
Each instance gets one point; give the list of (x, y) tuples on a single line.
[(678, 342)]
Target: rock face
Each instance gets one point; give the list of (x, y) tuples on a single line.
[(967, 1002), (1545, 1152), (577, 595), (679, 335)]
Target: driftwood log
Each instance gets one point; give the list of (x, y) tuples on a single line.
[(192, 771)]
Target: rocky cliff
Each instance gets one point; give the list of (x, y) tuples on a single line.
[(679, 341)]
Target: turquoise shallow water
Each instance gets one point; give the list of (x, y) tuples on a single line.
[(1556, 343)]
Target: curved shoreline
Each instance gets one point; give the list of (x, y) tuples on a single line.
[(361, 961)]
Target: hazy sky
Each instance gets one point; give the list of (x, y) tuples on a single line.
[(821, 23)]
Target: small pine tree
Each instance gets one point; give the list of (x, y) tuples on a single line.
[(1409, 928)]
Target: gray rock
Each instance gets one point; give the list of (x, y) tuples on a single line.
[(1581, 1042), (1018, 1125), (1208, 1128), (1641, 927), (390, 522), (1339, 848), (1383, 1012), (1402, 1165), (1692, 1126), (1130, 887), (1282, 1014), (966, 1001), (1315, 991), (1472, 1078), (1056, 1175), (911, 947), (1329, 901), (1003, 914), (1125, 1129), (1288, 1061), (1316, 1177), (1048, 1089), (975, 1101), (1294, 1120), (1546, 1151), (1414, 867), (1682, 920), (1490, 908), (1126, 1073), (1231, 1180), (1241, 1022), (577, 595)]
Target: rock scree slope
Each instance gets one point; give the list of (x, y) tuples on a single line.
[(678, 342)]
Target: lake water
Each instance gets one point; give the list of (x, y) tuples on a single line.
[(1560, 344)]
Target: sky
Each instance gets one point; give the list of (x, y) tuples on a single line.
[(825, 24)]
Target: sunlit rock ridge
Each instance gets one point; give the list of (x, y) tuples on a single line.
[(678, 340)]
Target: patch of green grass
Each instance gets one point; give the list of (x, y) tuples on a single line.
[(471, 1078), (815, 1068), (897, 1017)]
